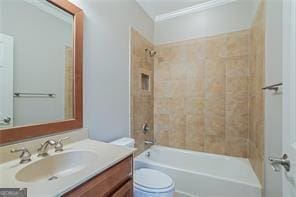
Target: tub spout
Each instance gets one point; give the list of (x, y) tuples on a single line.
[(147, 142)]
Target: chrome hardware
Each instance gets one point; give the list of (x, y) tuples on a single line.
[(53, 178), (151, 52), (42, 151), (276, 162), (34, 95), (59, 146), (146, 128), (148, 154), (147, 142), (5, 121), (25, 155), (274, 87)]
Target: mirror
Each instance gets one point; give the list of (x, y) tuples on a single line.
[(38, 40), (36, 63)]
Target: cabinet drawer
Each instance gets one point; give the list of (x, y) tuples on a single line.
[(125, 191), (105, 183)]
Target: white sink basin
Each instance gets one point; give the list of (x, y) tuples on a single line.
[(55, 166)]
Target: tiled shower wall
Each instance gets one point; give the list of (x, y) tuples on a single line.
[(141, 100), (207, 93), (201, 94), (257, 56)]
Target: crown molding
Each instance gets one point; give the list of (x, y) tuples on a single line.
[(192, 9)]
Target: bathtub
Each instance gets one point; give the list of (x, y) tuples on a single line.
[(202, 174)]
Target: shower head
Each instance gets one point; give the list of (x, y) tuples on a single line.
[(151, 52)]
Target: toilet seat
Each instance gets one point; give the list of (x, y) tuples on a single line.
[(152, 181)]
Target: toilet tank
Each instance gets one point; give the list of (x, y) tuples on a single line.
[(125, 141)]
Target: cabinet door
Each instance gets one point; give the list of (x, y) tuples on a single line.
[(125, 191), (105, 183)]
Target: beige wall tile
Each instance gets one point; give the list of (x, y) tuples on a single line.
[(214, 144), (194, 105), (142, 101), (205, 83), (237, 125), (207, 93), (162, 73), (162, 137), (215, 47), (215, 106), (194, 88), (178, 88), (215, 68), (215, 87), (237, 44), (256, 117), (177, 134), (237, 147), (162, 105), (237, 66), (163, 88), (194, 136), (215, 125), (177, 106), (196, 70)]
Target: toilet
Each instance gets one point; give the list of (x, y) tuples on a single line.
[(148, 182), (125, 141), (152, 183)]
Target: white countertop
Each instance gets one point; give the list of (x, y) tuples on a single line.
[(108, 155)]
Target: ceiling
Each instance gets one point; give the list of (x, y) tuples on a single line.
[(156, 8)]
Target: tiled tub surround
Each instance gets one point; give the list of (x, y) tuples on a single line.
[(201, 94), (207, 93), (256, 96), (141, 100)]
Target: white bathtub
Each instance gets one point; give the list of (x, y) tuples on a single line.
[(203, 174)]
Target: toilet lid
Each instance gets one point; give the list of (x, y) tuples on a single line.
[(152, 179)]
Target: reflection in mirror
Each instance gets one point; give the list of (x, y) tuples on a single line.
[(36, 63)]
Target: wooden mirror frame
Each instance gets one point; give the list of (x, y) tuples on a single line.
[(14, 134)]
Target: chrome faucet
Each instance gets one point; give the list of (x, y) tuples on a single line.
[(148, 142), (59, 146), (145, 128), (25, 155), (42, 151), (276, 162)]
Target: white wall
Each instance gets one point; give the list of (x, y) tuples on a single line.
[(231, 17), (273, 103), (106, 64), (39, 60)]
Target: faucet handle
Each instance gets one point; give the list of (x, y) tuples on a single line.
[(25, 155), (59, 145), (42, 150), (64, 138)]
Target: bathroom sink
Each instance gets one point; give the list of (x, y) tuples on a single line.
[(55, 166)]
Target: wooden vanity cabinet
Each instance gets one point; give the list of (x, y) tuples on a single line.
[(116, 181)]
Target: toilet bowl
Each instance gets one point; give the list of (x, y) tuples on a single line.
[(148, 182), (152, 183)]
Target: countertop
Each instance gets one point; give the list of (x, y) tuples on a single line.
[(108, 155)]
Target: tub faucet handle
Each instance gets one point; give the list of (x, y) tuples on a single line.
[(146, 128)]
